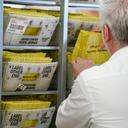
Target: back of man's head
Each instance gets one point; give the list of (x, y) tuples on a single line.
[(114, 13)]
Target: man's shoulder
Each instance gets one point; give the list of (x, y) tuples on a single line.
[(97, 72)]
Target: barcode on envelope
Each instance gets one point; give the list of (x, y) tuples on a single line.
[(18, 27)]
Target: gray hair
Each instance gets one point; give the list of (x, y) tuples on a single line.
[(114, 13)]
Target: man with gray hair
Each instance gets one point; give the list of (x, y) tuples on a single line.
[(99, 96)]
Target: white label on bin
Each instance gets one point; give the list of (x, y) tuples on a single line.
[(17, 25)]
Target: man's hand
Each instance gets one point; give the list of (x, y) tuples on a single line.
[(80, 65)]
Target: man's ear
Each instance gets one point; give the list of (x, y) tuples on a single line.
[(106, 33)]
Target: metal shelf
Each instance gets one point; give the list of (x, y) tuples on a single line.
[(83, 4), (1, 50), (31, 2), (43, 7), (32, 47), (77, 6), (74, 7), (28, 93)]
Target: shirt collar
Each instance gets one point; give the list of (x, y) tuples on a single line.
[(120, 54)]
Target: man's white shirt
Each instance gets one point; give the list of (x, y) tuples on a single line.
[(99, 96)]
